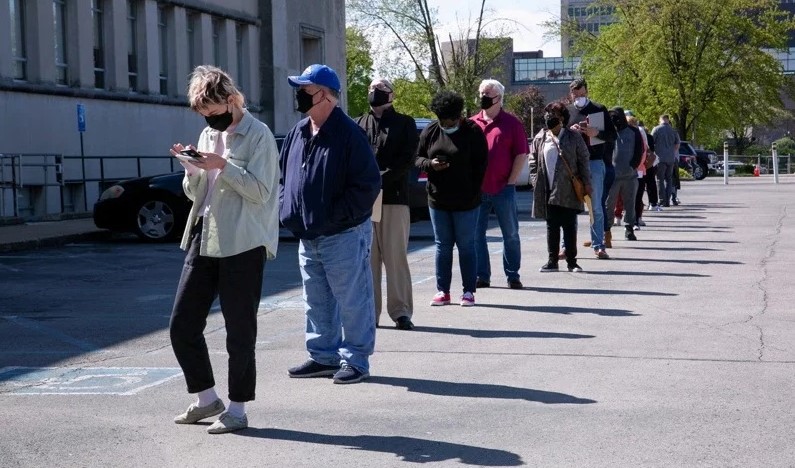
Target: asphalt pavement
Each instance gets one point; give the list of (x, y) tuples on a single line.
[(678, 351)]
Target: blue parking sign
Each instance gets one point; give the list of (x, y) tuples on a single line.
[(81, 118)]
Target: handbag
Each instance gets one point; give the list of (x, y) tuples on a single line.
[(576, 183)]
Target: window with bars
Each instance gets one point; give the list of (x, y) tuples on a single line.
[(97, 12), (162, 36), (18, 45), (132, 44), (59, 27)]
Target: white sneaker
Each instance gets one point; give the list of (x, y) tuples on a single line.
[(617, 221), (641, 222)]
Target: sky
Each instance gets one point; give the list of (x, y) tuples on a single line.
[(527, 14)]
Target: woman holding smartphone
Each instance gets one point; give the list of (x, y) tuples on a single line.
[(231, 230)]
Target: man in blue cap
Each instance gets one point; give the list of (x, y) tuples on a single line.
[(329, 182)]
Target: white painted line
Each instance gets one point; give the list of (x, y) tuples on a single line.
[(83, 380)]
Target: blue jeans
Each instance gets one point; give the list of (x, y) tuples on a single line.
[(338, 291), (597, 185), (504, 205), (455, 228)]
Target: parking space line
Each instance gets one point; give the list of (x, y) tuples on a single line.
[(53, 333)]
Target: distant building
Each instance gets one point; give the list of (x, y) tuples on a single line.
[(127, 62)]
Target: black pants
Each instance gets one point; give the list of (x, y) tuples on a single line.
[(237, 282), (560, 217), (650, 182)]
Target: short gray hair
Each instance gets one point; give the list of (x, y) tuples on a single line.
[(491, 83)]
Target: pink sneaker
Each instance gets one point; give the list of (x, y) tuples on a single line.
[(441, 299), (468, 299)]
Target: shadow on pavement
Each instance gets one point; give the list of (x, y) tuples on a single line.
[(565, 310), (679, 260), (679, 249), (646, 273), (409, 449), (500, 333), (617, 292), (476, 390)]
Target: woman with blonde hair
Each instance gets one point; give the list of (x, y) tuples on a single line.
[(232, 179)]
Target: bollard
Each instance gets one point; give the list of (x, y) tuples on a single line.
[(775, 164), (725, 163)]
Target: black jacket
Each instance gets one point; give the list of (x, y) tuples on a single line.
[(600, 151), (456, 188), (393, 139)]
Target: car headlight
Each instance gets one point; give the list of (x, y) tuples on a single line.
[(114, 191)]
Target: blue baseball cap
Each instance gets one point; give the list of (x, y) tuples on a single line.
[(317, 74)]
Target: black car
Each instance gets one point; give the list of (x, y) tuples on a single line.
[(694, 161)]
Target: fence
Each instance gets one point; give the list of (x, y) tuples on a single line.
[(41, 185)]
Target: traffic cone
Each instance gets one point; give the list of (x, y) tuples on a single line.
[(756, 170)]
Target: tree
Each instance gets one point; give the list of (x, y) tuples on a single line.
[(528, 105), (359, 65), (458, 63), (693, 59)]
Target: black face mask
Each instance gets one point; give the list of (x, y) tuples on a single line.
[(486, 102), (378, 98), (219, 122), (551, 121), (304, 101)]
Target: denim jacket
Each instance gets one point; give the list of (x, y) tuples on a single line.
[(245, 199)]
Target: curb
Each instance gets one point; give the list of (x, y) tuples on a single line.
[(33, 244)]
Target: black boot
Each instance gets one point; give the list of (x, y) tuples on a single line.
[(629, 234)]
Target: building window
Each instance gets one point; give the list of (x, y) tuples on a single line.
[(132, 44), (162, 34), (240, 30), (193, 21), (311, 45), (59, 25), (217, 42), (18, 49), (99, 43)]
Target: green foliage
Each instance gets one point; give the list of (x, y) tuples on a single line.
[(785, 145), (528, 105), (359, 65), (413, 98), (700, 61)]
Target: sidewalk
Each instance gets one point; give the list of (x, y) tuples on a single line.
[(34, 235)]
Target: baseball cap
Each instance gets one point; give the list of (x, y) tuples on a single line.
[(318, 74)]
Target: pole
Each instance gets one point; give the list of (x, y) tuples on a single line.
[(532, 122), (83, 163), (775, 163), (725, 163)]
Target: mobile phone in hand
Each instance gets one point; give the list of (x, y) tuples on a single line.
[(191, 152)]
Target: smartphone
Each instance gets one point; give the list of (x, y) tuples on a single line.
[(584, 123), (442, 158), (191, 152)]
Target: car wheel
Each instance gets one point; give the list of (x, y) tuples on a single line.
[(156, 220), (700, 171)]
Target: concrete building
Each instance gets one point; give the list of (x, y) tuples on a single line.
[(126, 63)]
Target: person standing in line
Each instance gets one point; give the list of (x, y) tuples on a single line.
[(651, 173), (508, 149), (627, 156), (454, 153), (592, 121), (666, 146), (329, 182), (231, 229), (393, 139), (558, 154)]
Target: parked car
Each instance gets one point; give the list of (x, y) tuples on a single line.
[(693, 162), (155, 208)]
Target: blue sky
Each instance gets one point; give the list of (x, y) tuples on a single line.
[(528, 14)]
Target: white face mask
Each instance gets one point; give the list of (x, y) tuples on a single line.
[(580, 102)]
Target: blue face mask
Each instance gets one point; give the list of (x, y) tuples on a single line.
[(450, 130)]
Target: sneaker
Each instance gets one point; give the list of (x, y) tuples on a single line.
[(228, 423), (562, 253), (601, 254), (349, 374), (482, 283), (312, 369), (575, 268), (548, 267), (404, 323), (629, 235), (440, 299), (636, 228), (196, 413), (467, 299), (675, 201), (641, 222), (658, 208), (515, 284), (617, 221), (585, 244)]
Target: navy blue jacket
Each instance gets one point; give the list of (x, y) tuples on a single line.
[(329, 181)]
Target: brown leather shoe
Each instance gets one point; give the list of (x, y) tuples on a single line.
[(601, 254), (586, 244), (608, 240)]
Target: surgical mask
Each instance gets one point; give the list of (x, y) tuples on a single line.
[(580, 102), (304, 101), (450, 130), (219, 122), (486, 101), (377, 98)]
